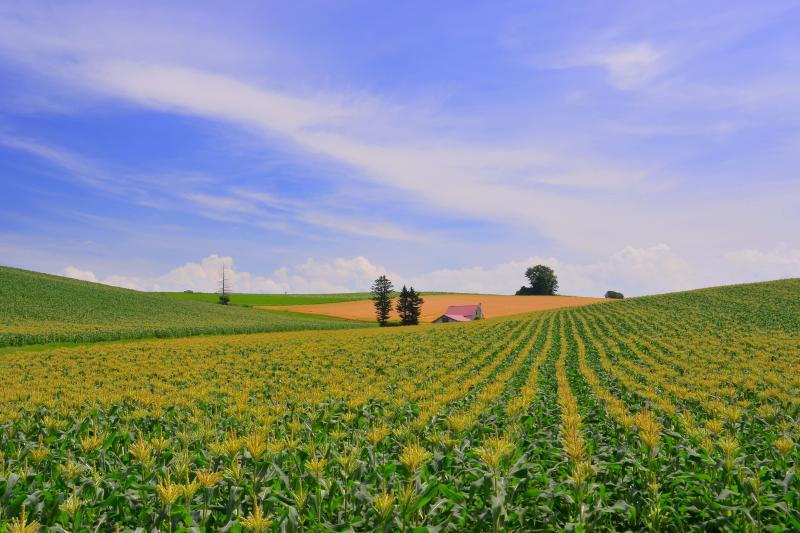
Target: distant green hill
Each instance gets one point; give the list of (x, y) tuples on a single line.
[(762, 306), (250, 300), (41, 308)]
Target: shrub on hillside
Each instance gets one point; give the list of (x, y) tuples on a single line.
[(614, 295)]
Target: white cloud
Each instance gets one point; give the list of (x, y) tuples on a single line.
[(77, 167), (205, 277), (124, 282), (281, 214), (271, 201), (311, 276), (354, 226), (239, 205), (114, 279), (339, 275), (756, 265), (627, 66), (551, 186), (221, 203), (73, 167), (76, 273), (632, 270), (194, 91), (781, 255), (655, 268), (522, 181), (631, 66), (544, 188)]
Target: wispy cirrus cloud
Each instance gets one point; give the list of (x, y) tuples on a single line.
[(630, 66), (627, 65), (493, 182), (239, 205), (631, 129), (76, 166), (222, 204), (284, 214)]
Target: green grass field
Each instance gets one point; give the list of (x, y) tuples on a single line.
[(40, 308), (251, 300)]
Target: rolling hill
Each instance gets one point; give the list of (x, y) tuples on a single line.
[(676, 412), (41, 308), (253, 300), (494, 305)]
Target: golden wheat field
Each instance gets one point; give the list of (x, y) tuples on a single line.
[(667, 413), (435, 305)]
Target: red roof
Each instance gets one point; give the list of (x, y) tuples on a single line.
[(457, 318), (463, 310)]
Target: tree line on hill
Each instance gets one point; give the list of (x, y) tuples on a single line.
[(543, 281), (409, 302)]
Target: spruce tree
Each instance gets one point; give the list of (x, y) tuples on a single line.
[(415, 302), (404, 307), (382, 298)]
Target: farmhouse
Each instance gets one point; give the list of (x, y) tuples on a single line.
[(460, 313)]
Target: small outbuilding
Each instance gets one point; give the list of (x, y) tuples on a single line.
[(461, 313)]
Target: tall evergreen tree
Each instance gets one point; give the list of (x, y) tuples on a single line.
[(403, 307), (409, 306), (415, 302), (382, 299)]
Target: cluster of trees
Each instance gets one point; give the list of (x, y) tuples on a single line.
[(543, 280), (409, 302)]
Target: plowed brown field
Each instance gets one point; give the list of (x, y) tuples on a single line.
[(435, 305)]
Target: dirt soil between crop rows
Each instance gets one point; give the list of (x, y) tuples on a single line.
[(434, 306)]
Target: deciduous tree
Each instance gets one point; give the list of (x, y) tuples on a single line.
[(542, 279)]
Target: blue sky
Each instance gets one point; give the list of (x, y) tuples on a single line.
[(312, 146)]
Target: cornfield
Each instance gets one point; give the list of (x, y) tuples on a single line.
[(669, 413), (38, 308)]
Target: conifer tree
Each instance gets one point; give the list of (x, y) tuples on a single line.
[(382, 298), (404, 308), (415, 302)]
